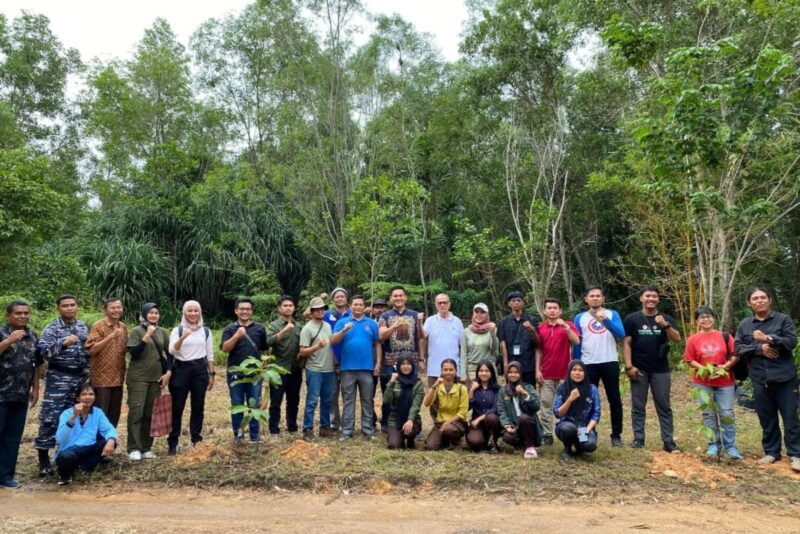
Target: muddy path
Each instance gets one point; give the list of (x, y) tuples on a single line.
[(149, 510)]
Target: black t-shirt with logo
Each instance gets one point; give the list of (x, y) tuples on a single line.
[(649, 342)]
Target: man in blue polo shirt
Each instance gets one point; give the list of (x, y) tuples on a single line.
[(359, 360)]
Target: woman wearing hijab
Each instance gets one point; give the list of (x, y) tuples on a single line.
[(403, 398), (485, 423), (452, 400), (478, 342), (149, 371), (517, 405), (192, 347), (577, 407)]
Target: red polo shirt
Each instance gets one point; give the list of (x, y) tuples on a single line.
[(556, 350)]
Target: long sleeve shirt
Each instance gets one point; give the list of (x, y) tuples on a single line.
[(83, 434), (591, 409), (484, 401), (73, 359), (764, 370), (452, 403)]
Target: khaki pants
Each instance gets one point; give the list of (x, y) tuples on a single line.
[(547, 394)]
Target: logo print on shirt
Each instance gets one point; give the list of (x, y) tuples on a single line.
[(596, 327)]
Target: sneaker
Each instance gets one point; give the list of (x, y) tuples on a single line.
[(148, 455), (45, 470), (637, 444), (530, 452), (616, 442), (308, 434), (345, 437), (547, 440), (64, 481), (172, 450), (671, 446), (565, 456), (494, 449), (713, 450), (326, 432), (237, 439), (369, 437), (767, 459), (796, 463), (733, 453), (10, 484), (135, 456), (255, 441)]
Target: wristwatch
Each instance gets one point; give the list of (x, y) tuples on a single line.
[(212, 373)]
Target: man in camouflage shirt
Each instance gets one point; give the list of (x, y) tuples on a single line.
[(62, 346), (19, 384)]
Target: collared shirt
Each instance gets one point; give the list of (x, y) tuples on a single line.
[(285, 350), (244, 348), (73, 359), (764, 370), (556, 350), (332, 317), (514, 334), (17, 364), (401, 342), (83, 434), (484, 401), (444, 341), (152, 362), (452, 403), (357, 351), (107, 368)]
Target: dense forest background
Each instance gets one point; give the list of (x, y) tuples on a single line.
[(575, 142)]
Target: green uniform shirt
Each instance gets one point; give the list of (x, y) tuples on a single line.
[(147, 367), (284, 350)]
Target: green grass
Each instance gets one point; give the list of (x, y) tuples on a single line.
[(610, 475)]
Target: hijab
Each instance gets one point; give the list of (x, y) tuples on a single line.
[(480, 327), (146, 310), (406, 397), (185, 323), (511, 387), (576, 410)]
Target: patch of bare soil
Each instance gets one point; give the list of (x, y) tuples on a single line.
[(202, 452), (687, 467), (783, 467), (35, 509), (305, 453)]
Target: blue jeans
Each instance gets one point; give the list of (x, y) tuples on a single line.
[(716, 420), (319, 390), (240, 393)]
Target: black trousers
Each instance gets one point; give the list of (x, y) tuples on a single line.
[(773, 399), (608, 372), (12, 424), (290, 387), (188, 379), (86, 458), (568, 434)]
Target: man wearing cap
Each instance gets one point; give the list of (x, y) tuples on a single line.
[(339, 311), (518, 337), (316, 349)]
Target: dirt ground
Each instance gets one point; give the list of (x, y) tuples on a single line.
[(147, 510)]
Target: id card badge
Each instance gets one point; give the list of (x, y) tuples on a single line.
[(516, 350)]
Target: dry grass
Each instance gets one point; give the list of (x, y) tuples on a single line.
[(610, 475)]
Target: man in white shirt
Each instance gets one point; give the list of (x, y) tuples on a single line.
[(443, 333)]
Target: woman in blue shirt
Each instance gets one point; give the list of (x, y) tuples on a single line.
[(85, 436), (577, 407), (485, 423)]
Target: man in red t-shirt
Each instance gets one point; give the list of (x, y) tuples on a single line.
[(556, 337), (708, 347)]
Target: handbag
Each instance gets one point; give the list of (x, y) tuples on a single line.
[(161, 420)]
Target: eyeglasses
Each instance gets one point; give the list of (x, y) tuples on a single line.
[(443, 302)]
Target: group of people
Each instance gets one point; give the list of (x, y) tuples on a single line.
[(552, 369)]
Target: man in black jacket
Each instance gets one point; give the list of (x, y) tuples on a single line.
[(766, 341)]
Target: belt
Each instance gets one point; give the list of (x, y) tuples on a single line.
[(190, 362)]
